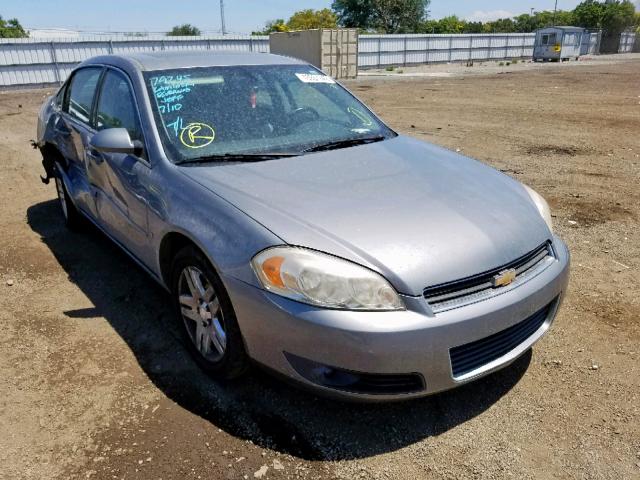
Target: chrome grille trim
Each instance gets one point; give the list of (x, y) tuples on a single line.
[(472, 289)]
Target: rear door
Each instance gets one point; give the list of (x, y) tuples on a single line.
[(120, 180), (73, 131)]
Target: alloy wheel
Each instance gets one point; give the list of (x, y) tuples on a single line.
[(202, 314)]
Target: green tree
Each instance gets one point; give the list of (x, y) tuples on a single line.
[(354, 13), (388, 16), (277, 25), (526, 23), (451, 24), (11, 29), (473, 27), (309, 19), (618, 16), (185, 30), (589, 14), (502, 25)]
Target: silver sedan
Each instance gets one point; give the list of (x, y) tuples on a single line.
[(293, 228)]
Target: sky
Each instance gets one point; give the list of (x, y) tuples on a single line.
[(242, 16)]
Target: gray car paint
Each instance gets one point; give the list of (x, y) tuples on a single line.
[(400, 207), (416, 213)]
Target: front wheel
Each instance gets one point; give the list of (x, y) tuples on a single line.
[(206, 315)]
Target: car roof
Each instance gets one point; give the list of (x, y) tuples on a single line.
[(164, 60)]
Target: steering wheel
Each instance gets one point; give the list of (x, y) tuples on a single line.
[(304, 115)]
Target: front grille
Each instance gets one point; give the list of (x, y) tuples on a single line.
[(471, 356), (478, 287)]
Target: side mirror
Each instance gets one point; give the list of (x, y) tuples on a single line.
[(115, 140)]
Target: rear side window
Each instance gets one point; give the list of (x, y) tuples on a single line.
[(116, 106), (59, 99), (81, 93)]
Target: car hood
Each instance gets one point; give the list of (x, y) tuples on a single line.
[(418, 214)]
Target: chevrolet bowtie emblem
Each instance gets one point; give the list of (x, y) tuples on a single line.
[(504, 278)]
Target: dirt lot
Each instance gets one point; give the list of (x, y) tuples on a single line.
[(94, 382)]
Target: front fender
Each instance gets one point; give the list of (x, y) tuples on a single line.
[(227, 236)]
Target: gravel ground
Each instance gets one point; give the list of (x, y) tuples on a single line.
[(96, 384)]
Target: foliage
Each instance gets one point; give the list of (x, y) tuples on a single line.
[(386, 16), (588, 14), (277, 25), (450, 24), (184, 30), (354, 13), (618, 16), (502, 25), (11, 28), (301, 20), (520, 24), (613, 15), (473, 27), (309, 19)]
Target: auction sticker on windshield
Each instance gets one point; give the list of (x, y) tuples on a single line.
[(314, 78)]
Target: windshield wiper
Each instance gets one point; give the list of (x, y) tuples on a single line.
[(349, 142), (236, 157)]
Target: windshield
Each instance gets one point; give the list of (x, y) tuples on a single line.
[(265, 109)]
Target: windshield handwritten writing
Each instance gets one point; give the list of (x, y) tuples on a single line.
[(168, 92)]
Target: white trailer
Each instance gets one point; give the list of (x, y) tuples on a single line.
[(557, 43)]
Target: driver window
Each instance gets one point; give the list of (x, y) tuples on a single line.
[(116, 106)]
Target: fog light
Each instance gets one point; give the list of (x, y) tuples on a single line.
[(355, 382)]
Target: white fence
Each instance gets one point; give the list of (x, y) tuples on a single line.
[(627, 42), (34, 61), (382, 50), (31, 62)]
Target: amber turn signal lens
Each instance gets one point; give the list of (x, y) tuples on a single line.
[(271, 270)]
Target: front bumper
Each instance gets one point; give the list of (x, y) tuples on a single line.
[(414, 341)]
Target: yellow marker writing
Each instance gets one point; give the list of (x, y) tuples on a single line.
[(197, 135)]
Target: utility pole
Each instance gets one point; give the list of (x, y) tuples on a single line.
[(555, 9), (222, 16)]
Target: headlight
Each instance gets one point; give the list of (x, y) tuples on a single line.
[(323, 280), (541, 204)]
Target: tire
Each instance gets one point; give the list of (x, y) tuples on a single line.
[(72, 218), (206, 318)]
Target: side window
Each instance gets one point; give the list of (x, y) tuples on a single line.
[(59, 100), (116, 106), (82, 90), (545, 39)]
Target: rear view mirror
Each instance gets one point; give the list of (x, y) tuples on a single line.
[(114, 140)]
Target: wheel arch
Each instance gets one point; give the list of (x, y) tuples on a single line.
[(172, 242), (50, 156)]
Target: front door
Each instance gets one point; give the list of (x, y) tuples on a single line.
[(119, 180)]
